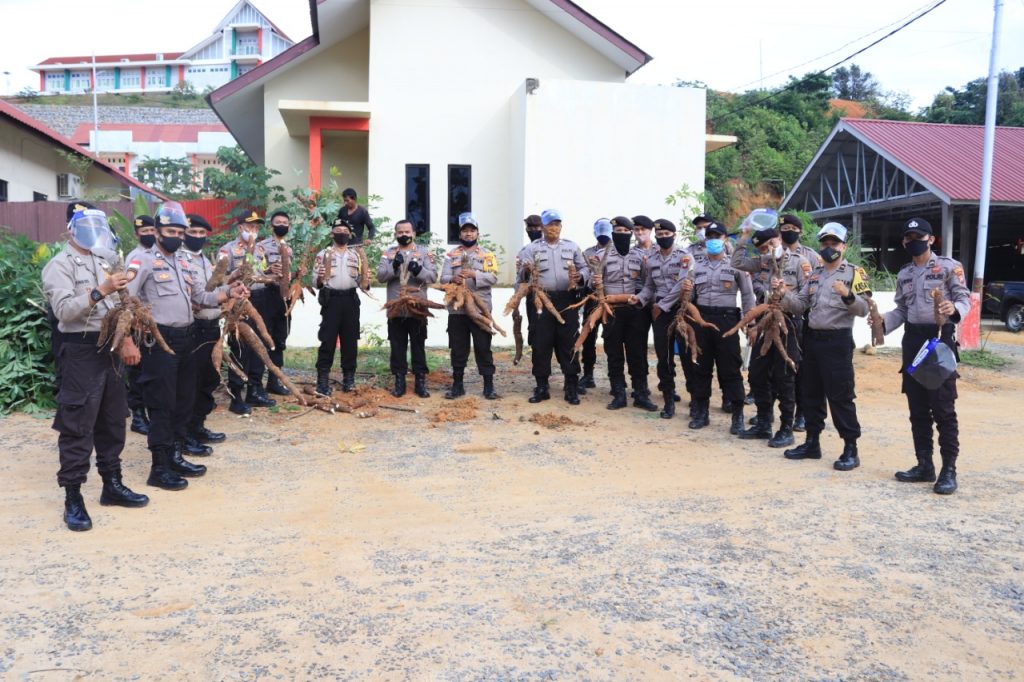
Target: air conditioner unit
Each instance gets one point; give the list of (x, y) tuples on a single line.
[(69, 185)]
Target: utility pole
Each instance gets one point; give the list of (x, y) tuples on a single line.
[(95, 109)]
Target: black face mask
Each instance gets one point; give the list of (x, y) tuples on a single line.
[(194, 243), (790, 237), (604, 239), (666, 242), (170, 244), (468, 243), (280, 230), (341, 239), (147, 240), (534, 235), (917, 247), (621, 241), (829, 254), (404, 240)]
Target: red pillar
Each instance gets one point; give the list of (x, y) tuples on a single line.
[(314, 155), (142, 79), (92, 80), (42, 81), (181, 73), (259, 41)]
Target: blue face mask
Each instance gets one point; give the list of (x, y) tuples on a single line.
[(715, 246)]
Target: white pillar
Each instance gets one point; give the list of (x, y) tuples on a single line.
[(947, 230)]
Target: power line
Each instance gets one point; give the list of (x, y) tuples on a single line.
[(824, 71)]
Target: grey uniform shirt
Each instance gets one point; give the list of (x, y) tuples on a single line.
[(235, 251), (345, 266), (68, 279), (663, 272), (272, 247), (914, 286), (808, 253), (623, 274), (480, 261), (136, 252), (827, 309), (202, 271), (418, 283), (169, 286), (551, 263), (793, 269), (715, 283)]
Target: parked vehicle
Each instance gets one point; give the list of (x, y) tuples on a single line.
[(1006, 301)]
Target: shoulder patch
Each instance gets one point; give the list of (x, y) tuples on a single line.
[(958, 272), (805, 266)]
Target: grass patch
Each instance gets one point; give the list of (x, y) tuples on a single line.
[(372, 360), (982, 358), (163, 100)]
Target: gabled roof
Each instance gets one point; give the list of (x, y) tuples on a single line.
[(26, 122), (222, 24), (592, 31), (142, 132), (109, 59)]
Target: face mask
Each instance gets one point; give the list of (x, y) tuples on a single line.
[(700, 234), (534, 235), (777, 251), (791, 237), (604, 239), (666, 242), (715, 246), (194, 243), (170, 244), (281, 230), (829, 254), (468, 243), (341, 239), (248, 236), (916, 248), (147, 240), (404, 240), (552, 232), (621, 242)]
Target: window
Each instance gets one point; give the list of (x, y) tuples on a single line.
[(155, 78), (460, 198), (104, 80), (54, 81), (80, 81), (130, 78), (38, 196), (3, 190), (417, 196)]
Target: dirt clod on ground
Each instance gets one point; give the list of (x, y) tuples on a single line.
[(554, 421), (463, 410)]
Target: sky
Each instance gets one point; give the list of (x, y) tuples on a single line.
[(732, 45)]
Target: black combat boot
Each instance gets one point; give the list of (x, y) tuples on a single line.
[(238, 405), (922, 472), (399, 390), (140, 422), (323, 382), (572, 395), (946, 485), (618, 396), (489, 391), (783, 437), (727, 406), (420, 385), (348, 380), (275, 386), (587, 380), (458, 389), (116, 493), (182, 466), (669, 410), (699, 418), (75, 515), (541, 391), (811, 449), (196, 449), (160, 475), (257, 397), (737, 418), (749, 399), (205, 435), (848, 461), (675, 397), (642, 398), (799, 423), (762, 428)]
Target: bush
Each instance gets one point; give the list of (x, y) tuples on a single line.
[(26, 363)]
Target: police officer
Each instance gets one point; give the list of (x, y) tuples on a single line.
[(643, 232), (700, 223), (244, 247), (621, 271), (665, 267), (770, 375), (790, 229), (164, 279), (477, 268), (833, 298), (207, 335), (55, 336), (534, 232), (90, 393), (145, 233), (271, 304), (715, 284), (603, 236), (915, 310), (551, 258), (339, 308), (407, 333)]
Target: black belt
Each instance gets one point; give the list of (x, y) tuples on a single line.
[(91, 338), (846, 331), (254, 293), (340, 292), (718, 310), (207, 324), (930, 329), (176, 332)]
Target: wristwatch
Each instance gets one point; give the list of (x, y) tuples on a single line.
[(95, 295)]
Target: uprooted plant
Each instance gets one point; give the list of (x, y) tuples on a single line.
[(770, 324), (461, 298), (603, 303), (130, 317), (685, 318), (408, 303)]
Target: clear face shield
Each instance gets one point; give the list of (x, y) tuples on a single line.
[(91, 231)]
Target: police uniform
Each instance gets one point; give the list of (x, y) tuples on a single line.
[(915, 310), (140, 422), (55, 335), (461, 329), (272, 308), (533, 235), (169, 285), (339, 315), (408, 332), (236, 251), (812, 257), (589, 350), (664, 271), (827, 370)]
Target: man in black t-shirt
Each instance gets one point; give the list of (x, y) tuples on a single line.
[(358, 219)]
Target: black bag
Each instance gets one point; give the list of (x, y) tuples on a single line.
[(933, 364)]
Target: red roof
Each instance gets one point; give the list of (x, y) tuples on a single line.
[(24, 120), (948, 156), (110, 58), (183, 132)]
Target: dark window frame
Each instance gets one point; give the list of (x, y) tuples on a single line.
[(39, 196), (453, 210), (423, 168), (3, 190)]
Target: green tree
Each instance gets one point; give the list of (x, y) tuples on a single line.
[(853, 84), (966, 105), (174, 178), (251, 184)]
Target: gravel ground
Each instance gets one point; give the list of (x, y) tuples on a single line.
[(624, 548)]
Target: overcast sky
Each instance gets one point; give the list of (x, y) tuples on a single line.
[(728, 44)]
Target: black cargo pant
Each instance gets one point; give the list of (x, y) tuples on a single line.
[(272, 309), (462, 330), (247, 360), (772, 378), (408, 334), (937, 406), (625, 343), (207, 335), (134, 393), (91, 409), (549, 336), (721, 353), (665, 348), (826, 375), (169, 386), (339, 322)]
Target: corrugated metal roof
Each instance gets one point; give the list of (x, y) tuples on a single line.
[(949, 156), (142, 132)]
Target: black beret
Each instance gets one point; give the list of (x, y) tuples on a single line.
[(533, 220), (716, 227), (76, 206), (702, 218), (622, 221), (761, 236), (248, 217), (144, 221), (643, 221), (196, 220), (790, 219), (919, 225), (662, 224), (340, 222)]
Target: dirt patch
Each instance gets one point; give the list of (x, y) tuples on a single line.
[(554, 421), (462, 410)]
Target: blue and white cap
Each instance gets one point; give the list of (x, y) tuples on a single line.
[(603, 227), (549, 216), (468, 218), (832, 230)]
